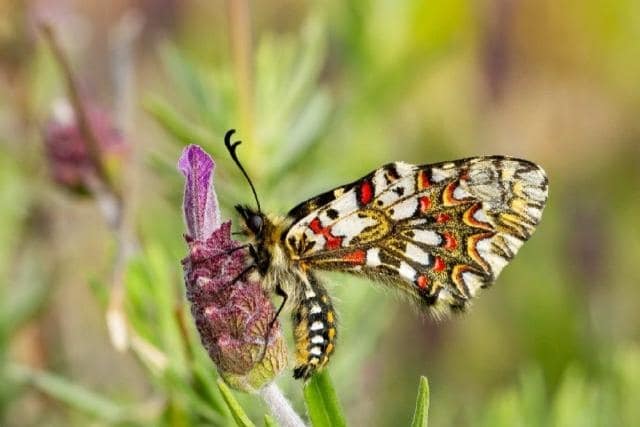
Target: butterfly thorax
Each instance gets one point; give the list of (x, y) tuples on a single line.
[(275, 265)]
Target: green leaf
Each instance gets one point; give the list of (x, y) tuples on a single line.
[(322, 402), (204, 375), (23, 304), (574, 402), (303, 133), (241, 418), (184, 394), (176, 125), (164, 296), (72, 394), (269, 422), (208, 102), (421, 413)]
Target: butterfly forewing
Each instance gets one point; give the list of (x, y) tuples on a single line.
[(438, 232)]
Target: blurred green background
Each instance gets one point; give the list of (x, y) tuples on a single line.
[(322, 93)]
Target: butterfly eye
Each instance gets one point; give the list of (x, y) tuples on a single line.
[(255, 223)]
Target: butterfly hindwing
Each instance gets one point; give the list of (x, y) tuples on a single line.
[(437, 232)]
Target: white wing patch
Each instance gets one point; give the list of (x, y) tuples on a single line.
[(406, 271), (373, 257), (346, 204), (428, 237), (350, 226), (405, 209), (379, 181), (417, 254), (442, 174), (460, 193), (473, 282), (405, 169), (391, 194), (496, 262), (481, 216)]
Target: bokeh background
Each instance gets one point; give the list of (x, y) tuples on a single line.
[(321, 93)]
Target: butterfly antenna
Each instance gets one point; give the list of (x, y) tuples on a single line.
[(232, 146)]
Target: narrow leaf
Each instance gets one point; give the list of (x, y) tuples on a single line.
[(241, 418), (188, 397), (323, 406), (421, 414), (72, 394), (269, 422), (23, 304), (191, 81), (175, 125), (204, 376), (315, 405)]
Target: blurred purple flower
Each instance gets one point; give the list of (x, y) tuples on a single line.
[(67, 154), (232, 316)]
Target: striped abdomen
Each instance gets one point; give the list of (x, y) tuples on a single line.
[(314, 328)]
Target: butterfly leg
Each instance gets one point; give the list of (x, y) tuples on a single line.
[(280, 292), (314, 328)]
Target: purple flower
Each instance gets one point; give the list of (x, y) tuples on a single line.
[(67, 154), (232, 314), (200, 203)]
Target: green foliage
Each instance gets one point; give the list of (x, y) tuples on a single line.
[(239, 416), (323, 406), (269, 422), (580, 400), (291, 111), (74, 395), (421, 413), (23, 288)]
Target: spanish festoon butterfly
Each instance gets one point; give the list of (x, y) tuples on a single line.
[(438, 233)]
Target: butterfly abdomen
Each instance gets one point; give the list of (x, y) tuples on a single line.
[(314, 327)]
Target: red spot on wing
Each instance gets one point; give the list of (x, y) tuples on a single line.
[(450, 242), (315, 226), (366, 192), (442, 218), (439, 265), (425, 204), (332, 242), (355, 257), (423, 180), (422, 281)]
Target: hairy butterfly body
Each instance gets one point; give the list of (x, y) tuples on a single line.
[(437, 233)]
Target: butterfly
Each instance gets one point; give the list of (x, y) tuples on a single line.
[(437, 233)]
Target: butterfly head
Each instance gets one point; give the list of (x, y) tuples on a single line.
[(263, 234), (254, 221)]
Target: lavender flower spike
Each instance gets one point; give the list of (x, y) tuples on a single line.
[(200, 202), (232, 316)]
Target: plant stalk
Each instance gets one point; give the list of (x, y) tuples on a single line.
[(280, 407)]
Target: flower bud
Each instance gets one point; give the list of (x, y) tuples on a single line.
[(231, 312), (67, 150)]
